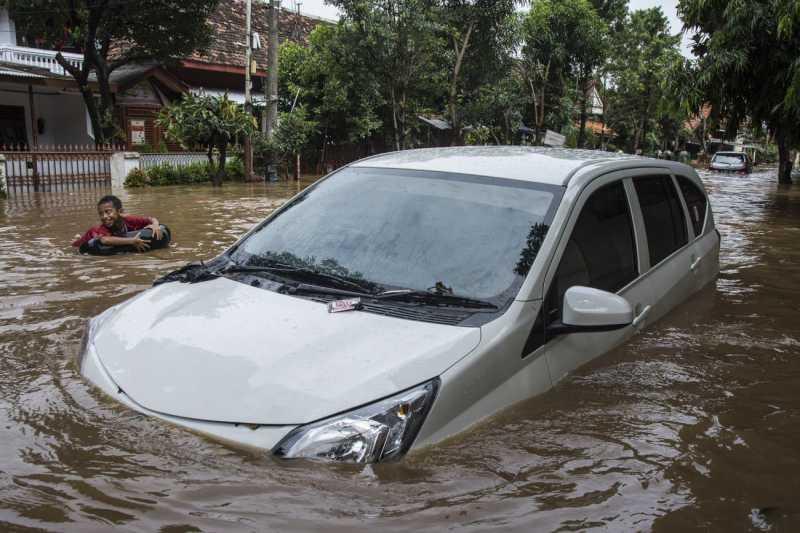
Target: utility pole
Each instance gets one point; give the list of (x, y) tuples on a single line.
[(248, 102), (271, 92)]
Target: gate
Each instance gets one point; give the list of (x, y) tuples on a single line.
[(57, 168)]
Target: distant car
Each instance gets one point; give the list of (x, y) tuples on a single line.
[(407, 296), (731, 162)]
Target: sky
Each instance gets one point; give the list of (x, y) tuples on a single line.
[(669, 7)]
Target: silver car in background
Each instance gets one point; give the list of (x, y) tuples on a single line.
[(409, 295), (738, 162)]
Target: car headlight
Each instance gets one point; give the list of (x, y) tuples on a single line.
[(381, 431), (89, 331)]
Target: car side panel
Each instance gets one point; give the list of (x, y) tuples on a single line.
[(492, 377)]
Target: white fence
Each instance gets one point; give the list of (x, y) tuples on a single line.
[(173, 159), (34, 57)]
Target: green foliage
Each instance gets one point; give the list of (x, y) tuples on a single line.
[(112, 33), (216, 122), (393, 50), (640, 96), (136, 178), (748, 65), (190, 174), (203, 120), (563, 41)]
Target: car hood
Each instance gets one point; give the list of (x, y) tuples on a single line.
[(225, 351)]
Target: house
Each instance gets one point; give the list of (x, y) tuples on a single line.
[(40, 103)]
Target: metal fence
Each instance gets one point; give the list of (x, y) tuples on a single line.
[(57, 168), (173, 159)]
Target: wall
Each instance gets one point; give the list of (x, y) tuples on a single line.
[(8, 33), (64, 114)]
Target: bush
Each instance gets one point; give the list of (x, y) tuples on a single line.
[(136, 178), (183, 175), (234, 169)]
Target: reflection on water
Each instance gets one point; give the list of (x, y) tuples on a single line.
[(692, 425)]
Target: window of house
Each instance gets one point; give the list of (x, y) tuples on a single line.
[(664, 221), (12, 126), (696, 203)]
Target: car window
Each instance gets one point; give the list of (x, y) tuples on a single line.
[(475, 236), (664, 221), (728, 158), (695, 201), (601, 251)]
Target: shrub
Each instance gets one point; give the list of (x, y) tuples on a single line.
[(234, 169), (165, 174), (136, 178)]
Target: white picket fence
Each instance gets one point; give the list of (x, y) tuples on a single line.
[(173, 159)]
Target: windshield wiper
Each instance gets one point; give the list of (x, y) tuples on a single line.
[(286, 270), (440, 298)]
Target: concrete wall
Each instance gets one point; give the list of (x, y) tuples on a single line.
[(121, 165), (8, 33), (64, 114), (3, 185)]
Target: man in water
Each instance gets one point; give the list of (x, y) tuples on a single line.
[(114, 226)]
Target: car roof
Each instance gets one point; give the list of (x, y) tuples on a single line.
[(529, 163), (729, 153)]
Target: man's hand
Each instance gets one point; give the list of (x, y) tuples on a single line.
[(140, 244), (156, 227)]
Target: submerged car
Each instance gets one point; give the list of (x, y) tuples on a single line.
[(407, 296), (731, 162)]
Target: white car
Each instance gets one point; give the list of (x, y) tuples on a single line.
[(407, 296)]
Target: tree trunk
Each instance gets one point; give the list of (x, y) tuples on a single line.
[(784, 157), (394, 122), (454, 82), (583, 116)]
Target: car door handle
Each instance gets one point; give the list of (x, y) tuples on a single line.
[(695, 264), (640, 317)]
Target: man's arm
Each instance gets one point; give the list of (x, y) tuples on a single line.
[(139, 244), (137, 223)]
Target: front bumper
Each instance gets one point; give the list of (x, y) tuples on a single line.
[(261, 437)]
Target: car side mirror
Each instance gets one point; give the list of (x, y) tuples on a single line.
[(591, 310)]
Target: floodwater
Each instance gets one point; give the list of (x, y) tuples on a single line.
[(693, 425)]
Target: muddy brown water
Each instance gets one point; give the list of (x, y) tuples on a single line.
[(692, 425)]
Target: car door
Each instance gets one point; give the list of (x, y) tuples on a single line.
[(671, 256), (704, 238), (600, 249)]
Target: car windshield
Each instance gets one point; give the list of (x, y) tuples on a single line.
[(729, 159), (430, 231)]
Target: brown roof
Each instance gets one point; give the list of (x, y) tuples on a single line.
[(228, 24)]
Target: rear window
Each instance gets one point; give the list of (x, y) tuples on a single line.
[(729, 158), (696, 202), (664, 220)]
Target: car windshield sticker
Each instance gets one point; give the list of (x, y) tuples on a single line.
[(350, 304)]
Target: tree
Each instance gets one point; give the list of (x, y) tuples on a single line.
[(112, 33), (292, 134), (214, 122), (393, 45), (748, 64), (644, 52), (343, 104), (562, 40), (481, 33), (495, 111)]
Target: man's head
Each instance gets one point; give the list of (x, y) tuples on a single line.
[(110, 210)]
